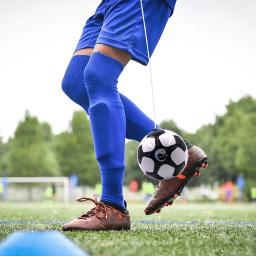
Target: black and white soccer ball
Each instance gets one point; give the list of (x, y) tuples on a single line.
[(162, 154)]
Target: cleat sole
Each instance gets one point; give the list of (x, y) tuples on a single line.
[(203, 163)]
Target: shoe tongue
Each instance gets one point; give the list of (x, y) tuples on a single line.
[(117, 207)]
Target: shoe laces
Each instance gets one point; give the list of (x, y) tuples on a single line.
[(100, 210)]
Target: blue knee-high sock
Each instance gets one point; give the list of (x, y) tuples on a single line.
[(108, 123), (137, 123), (73, 81)]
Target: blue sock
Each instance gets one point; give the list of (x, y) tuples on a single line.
[(73, 81), (108, 123), (137, 123)]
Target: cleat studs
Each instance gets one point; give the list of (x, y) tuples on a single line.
[(204, 165)]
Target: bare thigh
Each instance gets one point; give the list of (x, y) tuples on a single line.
[(86, 51), (119, 55), (114, 53)]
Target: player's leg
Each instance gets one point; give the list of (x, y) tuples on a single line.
[(108, 123), (108, 120)]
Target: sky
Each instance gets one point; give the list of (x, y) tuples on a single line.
[(205, 58)]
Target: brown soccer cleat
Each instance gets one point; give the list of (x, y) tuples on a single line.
[(101, 217), (167, 190)]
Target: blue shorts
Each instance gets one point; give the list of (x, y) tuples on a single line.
[(118, 23)]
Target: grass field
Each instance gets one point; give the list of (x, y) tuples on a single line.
[(191, 229)]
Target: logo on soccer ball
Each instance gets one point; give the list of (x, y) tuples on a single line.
[(162, 154)]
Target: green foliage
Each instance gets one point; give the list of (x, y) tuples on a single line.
[(3, 160), (132, 169), (47, 132), (74, 150), (34, 151), (171, 126), (30, 152), (237, 137), (230, 142)]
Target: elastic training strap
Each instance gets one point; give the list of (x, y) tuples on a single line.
[(149, 64)]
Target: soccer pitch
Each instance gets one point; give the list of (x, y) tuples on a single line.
[(189, 229)]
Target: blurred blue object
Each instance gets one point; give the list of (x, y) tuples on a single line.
[(39, 244), (4, 188), (73, 180), (240, 182)]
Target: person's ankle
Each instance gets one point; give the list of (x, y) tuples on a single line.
[(116, 206)]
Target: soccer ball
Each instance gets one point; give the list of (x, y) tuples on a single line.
[(162, 154)]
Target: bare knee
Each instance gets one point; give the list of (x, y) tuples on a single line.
[(119, 55)]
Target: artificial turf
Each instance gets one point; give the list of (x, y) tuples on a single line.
[(190, 229)]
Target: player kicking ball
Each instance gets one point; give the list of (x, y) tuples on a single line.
[(110, 39)]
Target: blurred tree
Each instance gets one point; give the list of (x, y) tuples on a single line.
[(230, 142), (236, 137), (1, 147), (205, 138), (75, 153), (133, 171), (171, 125), (47, 132), (3, 153), (30, 152)]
